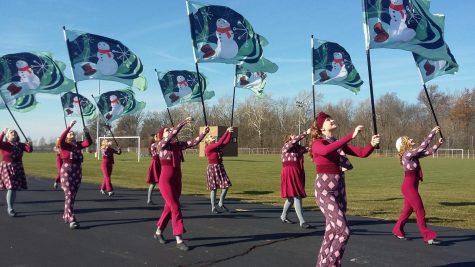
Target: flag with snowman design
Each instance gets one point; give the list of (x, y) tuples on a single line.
[(20, 104), (252, 80), (431, 68), (332, 65), (406, 25), (115, 104), (102, 58), (71, 102), (30, 73), (181, 86), (220, 34)]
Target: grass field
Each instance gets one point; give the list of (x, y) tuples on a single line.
[(373, 186)]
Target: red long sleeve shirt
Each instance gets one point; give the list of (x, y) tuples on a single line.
[(326, 157), (13, 151), (213, 151), (72, 152)]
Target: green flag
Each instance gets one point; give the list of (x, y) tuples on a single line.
[(31, 73), (102, 58), (181, 86), (332, 65), (20, 104), (254, 81), (431, 68), (407, 25), (71, 102), (221, 34), (115, 104)]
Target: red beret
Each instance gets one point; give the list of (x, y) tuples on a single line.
[(160, 133), (321, 119)]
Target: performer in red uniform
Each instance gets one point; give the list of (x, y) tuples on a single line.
[(59, 162), (409, 158), (12, 174), (106, 166), (329, 156), (153, 174), (170, 152), (292, 178), (216, 175), (71, 170)]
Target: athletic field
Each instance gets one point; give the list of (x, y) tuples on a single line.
[(373, 186)]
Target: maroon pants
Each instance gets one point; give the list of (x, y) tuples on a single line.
[(59, 162), (106, 168), (413, 202), (71, 174), (331, 198), (170, 187)]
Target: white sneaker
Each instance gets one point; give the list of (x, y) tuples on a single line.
[(73, 225), (103, 192), (55, 185), (433, 242), (110, 193)]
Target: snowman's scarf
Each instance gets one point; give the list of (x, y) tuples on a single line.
[(399, 8), (105, 51), (344, 162), (338, 61), (26, 68), (182, 83), (226, 30)]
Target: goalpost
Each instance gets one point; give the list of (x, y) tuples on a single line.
[(119, 137), (449, 153)]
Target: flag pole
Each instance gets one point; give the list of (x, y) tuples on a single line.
[(370, 77), (432, 108), (13, 117), (107, 125), (74, 77), (201, 93), (313, 79), (97, 126), (197, 68), (234, 96), (64, 116)]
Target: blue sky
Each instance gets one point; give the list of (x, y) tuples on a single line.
[(158, 32)]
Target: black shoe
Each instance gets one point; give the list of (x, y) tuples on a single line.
[(160, 238), (215, 211), (151, 203), (305, 225), (286, 221), (433, 242), (55, 185), (182, 246), (400, 237), (223, 208)]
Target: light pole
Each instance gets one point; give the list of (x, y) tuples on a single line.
[(299, 105)]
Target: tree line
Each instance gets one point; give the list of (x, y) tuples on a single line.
[(263, 122)]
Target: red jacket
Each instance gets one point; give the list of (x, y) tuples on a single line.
[(72, 152), (213, 151), (13, 152)]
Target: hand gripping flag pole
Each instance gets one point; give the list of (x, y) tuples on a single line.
[(74, 77)]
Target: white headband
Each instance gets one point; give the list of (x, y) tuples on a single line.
[(399, 144)]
